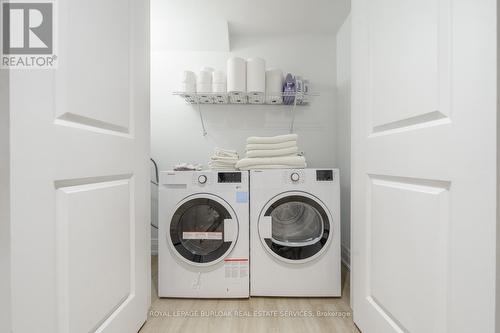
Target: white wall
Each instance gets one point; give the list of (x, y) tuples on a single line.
[(175, 126), (5, 311), (343, 132)]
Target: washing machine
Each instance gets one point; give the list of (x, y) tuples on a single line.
[(295, 233), (203, 234)]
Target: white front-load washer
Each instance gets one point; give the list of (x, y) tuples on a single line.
[(295, 233), (203, 234)]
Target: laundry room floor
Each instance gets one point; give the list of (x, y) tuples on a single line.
[(257, 314)]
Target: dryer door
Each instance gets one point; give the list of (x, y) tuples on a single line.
[(203, 229), (295, 227)]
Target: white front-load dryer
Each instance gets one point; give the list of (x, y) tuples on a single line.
[(203, 234), (295, 233)]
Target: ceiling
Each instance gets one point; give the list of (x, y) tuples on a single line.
[(257, 17)]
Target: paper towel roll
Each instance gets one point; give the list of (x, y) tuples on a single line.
[(188, 77), (219, 82), (274, 86), (236, 75), (204, 82), (256, 75), (204, 87), (219, 87), (218, 77), (204, 77)]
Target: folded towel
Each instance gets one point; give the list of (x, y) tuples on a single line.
[(225, 152), (223, 158), (272, 139), (222, 165), (281, 145), (273, 166), (291, 161), (272, 152), (223, 162)]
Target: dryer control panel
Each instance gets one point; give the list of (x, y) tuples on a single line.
[(229, 177), (324, 175)]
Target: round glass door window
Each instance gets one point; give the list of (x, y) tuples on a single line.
[(295, 227), (203, 230)]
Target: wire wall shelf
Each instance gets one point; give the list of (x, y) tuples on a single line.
[(279, 98), (289, 99)]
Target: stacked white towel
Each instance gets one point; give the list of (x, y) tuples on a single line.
[(223, 159), (276, 152)]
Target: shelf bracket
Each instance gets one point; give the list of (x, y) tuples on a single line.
[(201, 118)]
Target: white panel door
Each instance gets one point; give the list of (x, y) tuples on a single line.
[(80, 175), (423, 165)]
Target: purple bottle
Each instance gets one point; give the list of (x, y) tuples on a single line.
[(289, 89)]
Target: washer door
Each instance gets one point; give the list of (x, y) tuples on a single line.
[(203, 229), (295, 227)]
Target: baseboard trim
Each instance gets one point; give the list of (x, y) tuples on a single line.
[(346, 256)]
